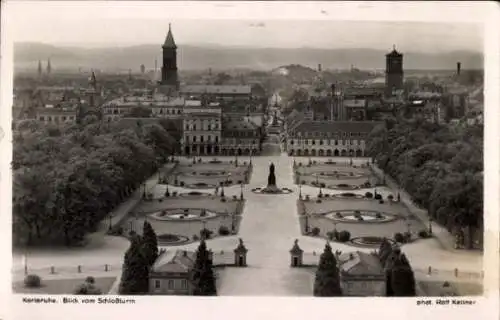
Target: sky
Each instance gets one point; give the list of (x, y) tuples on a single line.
[(117, 24)]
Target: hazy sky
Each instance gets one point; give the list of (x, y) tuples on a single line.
[(113, 24)]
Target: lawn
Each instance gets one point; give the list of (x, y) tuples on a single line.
[(62, 286), (186, 228), (322, 173), (358, 229), (211, 174)]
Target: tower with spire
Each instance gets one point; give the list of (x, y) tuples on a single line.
[(49, 67), (40, 68), (169, 75), (92, 91), (393, 71)]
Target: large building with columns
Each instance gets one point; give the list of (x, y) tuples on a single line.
[(329, 138)]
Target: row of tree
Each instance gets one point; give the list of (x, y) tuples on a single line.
[(66, 179), (143, 253), (441, 167)]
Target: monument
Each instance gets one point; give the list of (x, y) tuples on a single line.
[(271, 178), (271, 187)]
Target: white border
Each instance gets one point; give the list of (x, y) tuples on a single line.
[(262, 308)]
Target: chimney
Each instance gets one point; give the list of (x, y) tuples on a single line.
[(459, 66)]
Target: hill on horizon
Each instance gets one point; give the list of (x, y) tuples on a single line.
[(194, 57)]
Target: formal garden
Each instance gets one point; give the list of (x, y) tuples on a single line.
[(182, 217), (211, 174), (358, 219), (335, 175)]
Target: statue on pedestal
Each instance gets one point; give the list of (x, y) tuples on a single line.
[(271, 179)]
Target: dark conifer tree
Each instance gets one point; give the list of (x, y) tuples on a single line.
[(150, 243), (135, 273), (206, 283), (327, 282), (403, 279)]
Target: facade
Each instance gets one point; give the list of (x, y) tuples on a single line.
[(240, 138), (393, 72), (161, 106), (169, 76), (172, 273), (329, 138), (361, 275), (217, 92), (202, 128), (58, 114)]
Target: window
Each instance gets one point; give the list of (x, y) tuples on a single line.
[(201, 138), (157, 284), (42, 118), (194, 127), (64, 118), (184, 284), (291, 142), (209, 138), (194, 138), (336, 142), (170, 284), (320, 142), (216, 139)]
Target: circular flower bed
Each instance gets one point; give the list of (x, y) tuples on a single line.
[(168, 239), (272, 190), (194, 194), (183, 214), (349, 195), (200, 185), (367, 242), (343, 186), (363, 216), (338, 174)]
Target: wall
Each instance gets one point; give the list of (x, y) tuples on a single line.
[(363, 288), (177, 289)]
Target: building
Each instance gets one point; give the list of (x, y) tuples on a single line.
[(160, 106), (172, 272), (240, 138), (202, 127), (169, 75), (361, 275), (217, 92), (329, 138), (393, 72)]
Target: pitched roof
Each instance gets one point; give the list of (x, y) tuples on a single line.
[(169, 41), (216, 89), (337, 126), (360, 263), (174, 261)]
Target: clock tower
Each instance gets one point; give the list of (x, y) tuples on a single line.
[(393, 71)]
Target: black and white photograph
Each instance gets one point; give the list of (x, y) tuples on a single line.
[(251, 157)]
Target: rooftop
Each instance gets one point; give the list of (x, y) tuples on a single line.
[(337, 126), (174, 261), (214, 89), (360, 263)]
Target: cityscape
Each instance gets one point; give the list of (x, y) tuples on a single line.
[(317, 181)]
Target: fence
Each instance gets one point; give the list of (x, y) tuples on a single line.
[(68, 270)]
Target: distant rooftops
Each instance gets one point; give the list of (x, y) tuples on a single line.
[(216, 89), (337, 126)]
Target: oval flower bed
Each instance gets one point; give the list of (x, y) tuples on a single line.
[(168, 239)]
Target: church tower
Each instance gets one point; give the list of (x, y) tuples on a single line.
[(393, 71), (169, 69), (92, 91), (49, 67)]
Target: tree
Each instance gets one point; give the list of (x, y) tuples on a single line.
[(150, 243), (135, 273), (327, 281), (399, 277), (203, 275)]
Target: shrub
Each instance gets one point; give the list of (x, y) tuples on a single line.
[(423, 234), (203, 213), (398, 237), (322, 185), (235, 198), (307, 197), (181, 183), (303, 182), (381, 201), (32, 281), (390, 197), (160, 200), (407, 236), (318, 201), (195, 237), (378, 215), (320, 195), (378, 197), (224, 231), (331, 235), (181, 217), (351, 174), (174, 193), (229, 182), (348, 194), (368, 195), (360, 218), (344, 236), (167, 193), (339, 214), (327, 195), (240, 182), (205, 233), (223, 199), (315, 231), (176, 182)]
